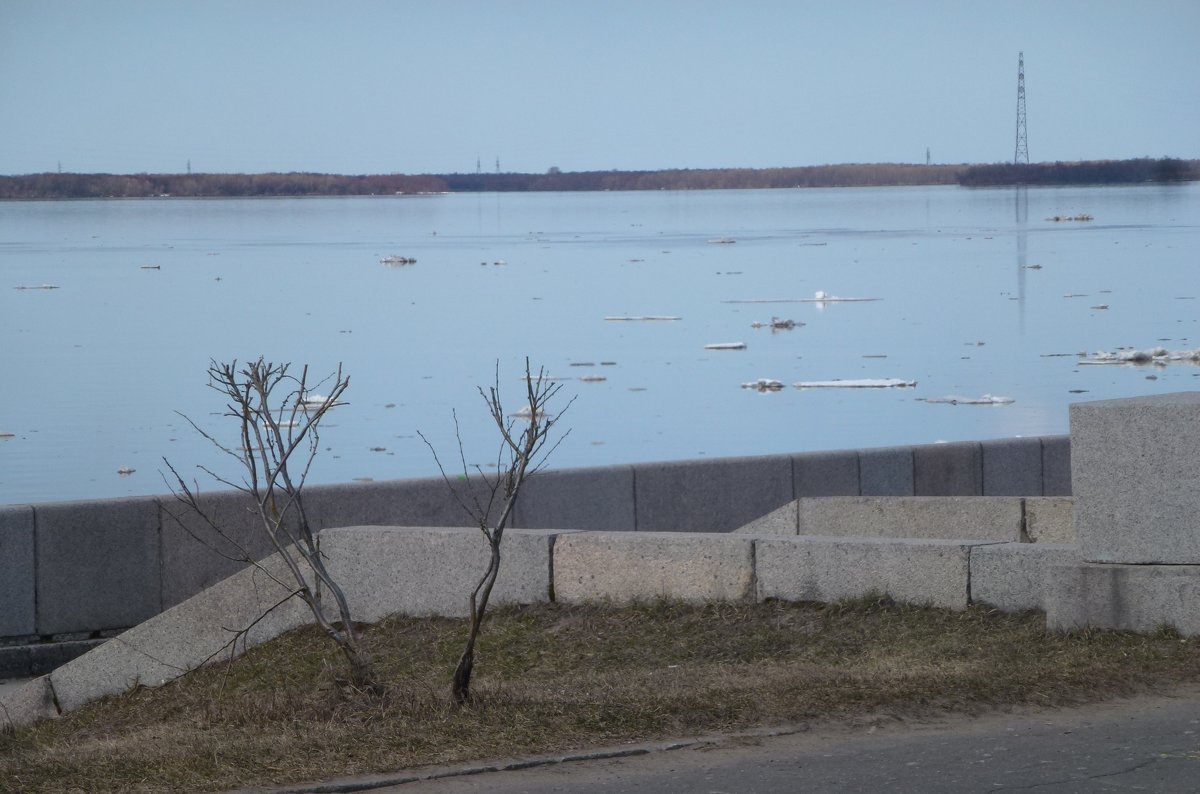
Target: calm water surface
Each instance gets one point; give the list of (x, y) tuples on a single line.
[(96, 372)]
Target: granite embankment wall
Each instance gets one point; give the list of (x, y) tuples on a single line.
[(74, 573)]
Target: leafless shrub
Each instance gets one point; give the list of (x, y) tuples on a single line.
[(278, 415)]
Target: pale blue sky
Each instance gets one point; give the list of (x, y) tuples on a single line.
[(374, 87)]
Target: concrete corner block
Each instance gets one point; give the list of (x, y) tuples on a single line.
[(826, 473), (712, 495), (1050, 519), (17, 617), (948, 469), (950, 517), (1135, 468), (623, 567), (1056, 466), (97, 564), (185, 636), (433, 570), (777, 522), (1129, 597), (933, 572), (201, 548), (886, 471), (1012, 467), (22, 707), (599, 498), (1010, 576)]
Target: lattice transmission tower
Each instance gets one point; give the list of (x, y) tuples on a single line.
[(1021, 153)]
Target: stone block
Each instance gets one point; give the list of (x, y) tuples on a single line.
[(26, 705), (710, 496), (184, 637), (16, 571), (1010, 576), (1129, 597), (422, 502), (933, 572), (948, 469), (15, 662), (593, 498), (825, 474), (45, 657), (97, 564), (1012, 467), (200, 550), (1056, 466), (1135, 472), (951, 517), (1050, 519), (782, 521), (886, 471), (433, 570), (623, 567)]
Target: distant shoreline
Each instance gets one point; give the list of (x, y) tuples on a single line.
[(54, 185)]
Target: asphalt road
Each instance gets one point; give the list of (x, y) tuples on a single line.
[(1147, 744)]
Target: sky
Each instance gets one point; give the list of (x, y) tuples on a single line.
[(439, 86)]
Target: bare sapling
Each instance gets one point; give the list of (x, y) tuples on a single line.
[(278, 416), (523, 451)]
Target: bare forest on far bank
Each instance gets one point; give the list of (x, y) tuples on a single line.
[(54, 185)]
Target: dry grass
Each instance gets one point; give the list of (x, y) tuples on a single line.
[(556, 677)]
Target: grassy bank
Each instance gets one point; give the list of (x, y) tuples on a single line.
[(556, 677)]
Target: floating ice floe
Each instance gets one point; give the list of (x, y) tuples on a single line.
[(726, 346), (526, 413), (777, 324), (641, 317), (859, 383), (312, 401), (1155, 355), (987, 399), (764, 384), (821, 296)]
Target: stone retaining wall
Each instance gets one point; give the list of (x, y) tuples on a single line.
[(76, 572)]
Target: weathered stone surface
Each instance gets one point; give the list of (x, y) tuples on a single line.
[(97, 564), (1012, 467), (950, 517), (777, 522), (826, 473), (200, 550), (623, 567), (805, 568), (27, 704), (1010, 576), (1135, 470), (886, 471), (1130, 597), (424, 502), (16, 571), (710, 496), (592, 498), (433, 570), (1050, 519), (1056, 465), (184, 637), (948, 469)]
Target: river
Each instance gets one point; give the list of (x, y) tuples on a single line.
[(977, 292)]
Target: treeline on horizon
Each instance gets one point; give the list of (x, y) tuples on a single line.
[(54, 185)]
